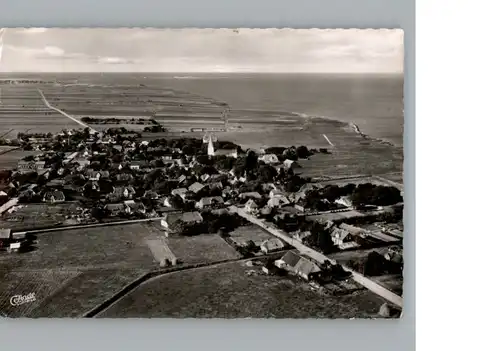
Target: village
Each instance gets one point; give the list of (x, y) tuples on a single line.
[(203, 186)]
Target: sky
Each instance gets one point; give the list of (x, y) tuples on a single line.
[(201, 50)]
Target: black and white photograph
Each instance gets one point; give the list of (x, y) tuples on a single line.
[(201, 173)]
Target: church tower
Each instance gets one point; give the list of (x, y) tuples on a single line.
[(210, 149)]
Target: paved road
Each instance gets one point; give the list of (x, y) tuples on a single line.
[(359, 278), (64, 113)]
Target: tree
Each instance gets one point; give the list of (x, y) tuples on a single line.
[(251, 160), (266, 173), (302, 152)]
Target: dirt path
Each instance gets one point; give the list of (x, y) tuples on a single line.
[(64, 113)]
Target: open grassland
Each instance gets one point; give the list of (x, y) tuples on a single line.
[(250, 232), (22, 110), (37, 215), (41, 283), (85, 291), (226, 291), (203, 248), (101, 247), (9, 159)]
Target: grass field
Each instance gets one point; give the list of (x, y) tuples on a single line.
[(106, 247), (250, 232), (42, 283), (38, 215), (83, 292), (225, 291), (9, 160), (203, 248)]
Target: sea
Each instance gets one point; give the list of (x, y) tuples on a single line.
[(371, 101)]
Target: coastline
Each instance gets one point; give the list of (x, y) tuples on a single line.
[(351, 125)]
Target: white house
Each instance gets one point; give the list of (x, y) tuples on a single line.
[(269, 159), (251, 206), (271, 245)]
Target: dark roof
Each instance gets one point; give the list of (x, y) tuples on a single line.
[(306, 267), (291, 258)]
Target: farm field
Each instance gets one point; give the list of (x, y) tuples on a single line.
[(22, 110), (226, 291), (9, 160), (36, 215), (122, 246), (42, 283), (84, 292), (203, 248), (250, 232)]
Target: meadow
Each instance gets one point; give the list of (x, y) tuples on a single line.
[(227, 290)]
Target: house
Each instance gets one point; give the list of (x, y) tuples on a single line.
[(288, 261), (104, 174), (275, 193), (171, 220), (341, 236), (150, 194), (205, 177), (278, 201), (93, 175), (251, 207), (181, 192), (301, 205), (344, 201), (26, 166), (82, 162), (250, 195), (165, 201), (352, 229), (124, 191), (5, 237), (300, 236), (269, 159), (124, 177), (136, 165), (304, 268), (181, 179), (297, 265), (134, 207), (272, 245), (209, 202), (115, 209), (118, 148), (54, 196), (290, 164), (196, 187), (226, 152)]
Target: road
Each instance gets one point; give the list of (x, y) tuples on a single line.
[(64, 113), (357, 277)]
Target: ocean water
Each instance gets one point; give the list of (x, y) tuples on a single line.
[(373, 102)]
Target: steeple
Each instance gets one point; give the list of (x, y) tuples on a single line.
[(210, 149)]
